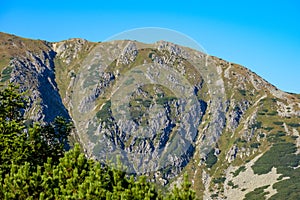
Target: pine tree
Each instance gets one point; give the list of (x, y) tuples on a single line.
[(12, 104), (13, 137)]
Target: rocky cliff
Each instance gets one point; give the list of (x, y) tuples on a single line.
[(164, 109)]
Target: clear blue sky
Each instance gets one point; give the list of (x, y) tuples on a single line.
[(261, 35)]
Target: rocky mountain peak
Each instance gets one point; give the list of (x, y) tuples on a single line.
[(163, 109)]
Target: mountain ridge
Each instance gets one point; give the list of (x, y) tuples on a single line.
[(237, 116)]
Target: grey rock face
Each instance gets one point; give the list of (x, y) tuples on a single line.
[(172, 127), (104, 81), (69, 50), (35, 72), (236, 114), (128, 54), (151, 149), (231, 155)]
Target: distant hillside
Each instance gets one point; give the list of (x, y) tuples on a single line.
[(165, 109)]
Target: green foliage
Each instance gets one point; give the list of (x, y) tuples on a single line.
[(76, 177), (281, 155), (257, 194), (48, 140), (230, 183), (261, 135), (5, 75), (219, 180), (295, 125), (239, 170), (265, 110), (12, 135), (240, 140), (274, 139), (255, 145), (12, 103), (164, 100), (20, 143), (280, 134), (12, 144), (289, 188), (243, 92), (294, 137), (268, 128), (211, 159), (214, 196), (105, 113), (273, 113), (256, 125), (147, 103), (278, 123)]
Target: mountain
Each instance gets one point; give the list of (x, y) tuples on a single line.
[(163, 109)]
